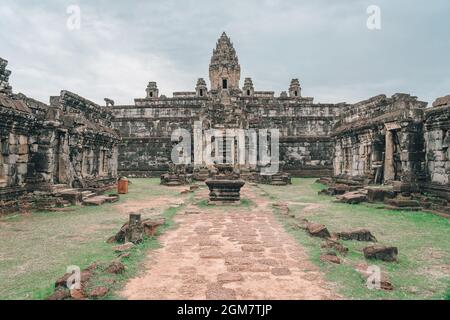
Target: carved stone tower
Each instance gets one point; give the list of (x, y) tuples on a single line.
[(295, 90), (224, 70), (4, 77), (201, 89), (152, 91), (248, 88)]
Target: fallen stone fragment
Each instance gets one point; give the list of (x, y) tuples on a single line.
[(77, 294), (151, 226), (354, 197), (358, 235), (330, 258), (331, 244), (318, 230), (379, 252), (60, 294), (124, 255), (98, 292), (115, 268), (124, 247)]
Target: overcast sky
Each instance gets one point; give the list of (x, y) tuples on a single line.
[(122, 45)]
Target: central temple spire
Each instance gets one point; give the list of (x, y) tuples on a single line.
[(224, 69)]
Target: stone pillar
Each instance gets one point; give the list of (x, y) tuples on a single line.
[(389, 172)]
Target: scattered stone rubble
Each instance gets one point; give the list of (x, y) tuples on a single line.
[(134, 230)]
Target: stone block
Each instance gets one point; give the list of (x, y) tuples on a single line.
[(22, 168), (22, 149)]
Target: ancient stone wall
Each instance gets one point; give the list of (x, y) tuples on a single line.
[(380, 140), (437, 137), (69, 142)]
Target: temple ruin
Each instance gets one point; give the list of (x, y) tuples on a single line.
[(397, 141), (53, 154)]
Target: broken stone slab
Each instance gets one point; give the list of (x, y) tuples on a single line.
[(379, 194), (331, 244), (151, 226), (124, 247), (358, 235), (355, 197), (318, 230), (77, 294), (330, 258), (115, 267), (60, 294), (98, 292), (379, 252)]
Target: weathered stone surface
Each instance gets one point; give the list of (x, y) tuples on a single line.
[(60, 294), (151, 226), (331, 244), (98, 292), (281, 271), (443, 101), (353, 197), (67, 144), (229, 277), (358, 235), (124, 247), (379, 252), (115, 267), (330, 258), (318, 230)]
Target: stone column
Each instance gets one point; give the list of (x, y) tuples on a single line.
[(389, 173)]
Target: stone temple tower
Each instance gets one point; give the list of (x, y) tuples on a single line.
[(224, 70)]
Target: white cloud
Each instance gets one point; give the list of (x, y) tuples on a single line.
[(123, 45)]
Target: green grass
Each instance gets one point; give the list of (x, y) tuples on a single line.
[(36, 249), (423, 240), (133, 264)]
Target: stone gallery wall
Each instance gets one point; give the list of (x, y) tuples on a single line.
[(305, 150), (380, 140), (67, 143), (437, 137)]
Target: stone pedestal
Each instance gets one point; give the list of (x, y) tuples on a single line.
[(225, 191)]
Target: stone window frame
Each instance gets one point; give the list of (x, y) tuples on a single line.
[(225, 84)]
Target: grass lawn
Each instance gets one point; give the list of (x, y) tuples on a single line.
[(423, 240), (36, 249)]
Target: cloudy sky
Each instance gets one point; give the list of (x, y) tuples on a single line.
[(122, 45)]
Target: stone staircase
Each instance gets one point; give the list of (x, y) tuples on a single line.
[(81, 197)]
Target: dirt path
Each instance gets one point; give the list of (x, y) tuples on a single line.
[(229, 253)]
